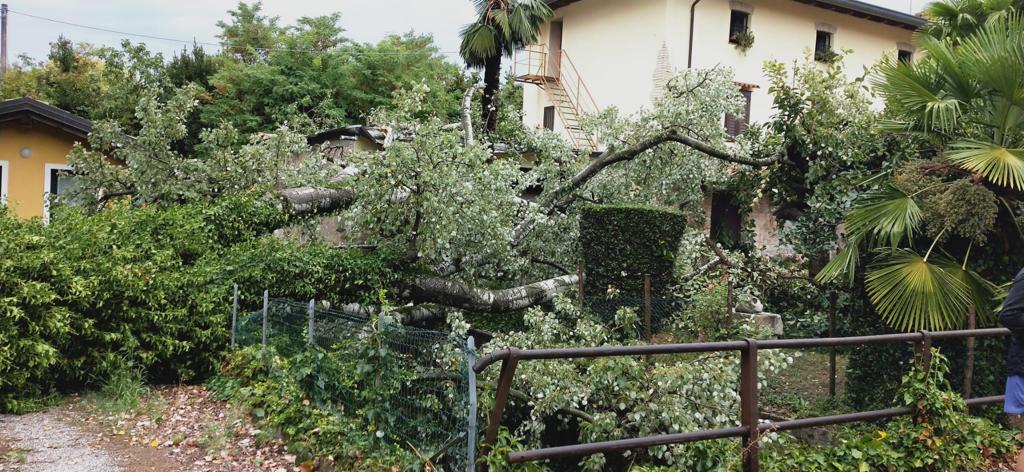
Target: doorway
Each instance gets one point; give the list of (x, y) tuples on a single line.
[(555, 49)]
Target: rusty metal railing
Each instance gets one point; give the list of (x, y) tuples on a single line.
[(750, 428)]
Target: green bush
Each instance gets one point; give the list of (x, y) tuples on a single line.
[(30, 323), (873, 372), (296, 398), (152, 285), (621, 243), (943, 438)]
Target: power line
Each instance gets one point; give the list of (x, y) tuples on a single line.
[(207, 43)]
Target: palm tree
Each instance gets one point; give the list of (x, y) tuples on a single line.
[(502, 26), (960, 18), (967, 96)]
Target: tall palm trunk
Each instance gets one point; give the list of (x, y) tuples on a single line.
[(492, 82)]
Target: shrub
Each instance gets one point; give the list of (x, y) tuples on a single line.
[(30, 323), (620, 244), (873, 373), (944, 437), (151, 285), (295, 397)]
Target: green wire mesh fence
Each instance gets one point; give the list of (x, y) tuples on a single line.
[(421, 378)]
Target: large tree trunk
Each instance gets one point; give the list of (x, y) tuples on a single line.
[(492, 82), (303, 201), (459, 295)]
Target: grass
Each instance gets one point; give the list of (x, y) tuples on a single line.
[(218, 435), (16, 456), (801, 390), (125, 393)]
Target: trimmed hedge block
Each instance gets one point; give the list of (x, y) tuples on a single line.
[(621, 243)]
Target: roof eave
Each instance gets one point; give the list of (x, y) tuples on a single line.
[(854, 8)]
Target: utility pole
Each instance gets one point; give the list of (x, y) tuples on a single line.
[(3, 41)]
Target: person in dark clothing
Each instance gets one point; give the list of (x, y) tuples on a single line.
[(1013, 318)]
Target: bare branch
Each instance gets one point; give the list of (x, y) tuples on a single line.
[(562, 197)]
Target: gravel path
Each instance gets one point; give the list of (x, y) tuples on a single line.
[(52, 444)]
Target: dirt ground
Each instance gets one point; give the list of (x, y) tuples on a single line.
[(53, 440), (178, 428)]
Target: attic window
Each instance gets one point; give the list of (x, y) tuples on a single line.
[(739, 24), (905, 56), (823, 46)]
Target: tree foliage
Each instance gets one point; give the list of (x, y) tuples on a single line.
[(959, 202)]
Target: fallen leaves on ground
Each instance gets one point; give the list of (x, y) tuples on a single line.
[(201, 433)]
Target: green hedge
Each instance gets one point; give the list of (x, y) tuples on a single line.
[(873, 373), (87, 292), (621, 243)]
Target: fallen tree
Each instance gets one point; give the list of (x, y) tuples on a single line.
[(452, 204)]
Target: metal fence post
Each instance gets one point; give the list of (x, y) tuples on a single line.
[(580, 278), (832, 303), (234, 316), (508, 373), (309, 330), (266, 305), (647, 308), (924, 361), (471, 420), (969, 366), (751, 451)]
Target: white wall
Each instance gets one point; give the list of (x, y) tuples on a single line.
[(784, 31), (615, 44)]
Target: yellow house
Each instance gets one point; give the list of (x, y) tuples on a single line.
[(600, 53), (35, 139)]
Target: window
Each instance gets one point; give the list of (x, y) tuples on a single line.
[(739, 24), (549, 118), (5, 169), (905, 56), (823, 46), (59, 180), (735, 125)]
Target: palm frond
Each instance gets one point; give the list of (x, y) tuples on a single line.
[(911, 293), (981, 292), (844, 265), (917, 90), (479, 42), (884, 217), (999, 165)]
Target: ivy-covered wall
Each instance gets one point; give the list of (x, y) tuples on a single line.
[(621, 243)]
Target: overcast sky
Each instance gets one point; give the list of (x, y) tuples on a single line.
[(364, 20)]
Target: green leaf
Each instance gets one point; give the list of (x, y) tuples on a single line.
[(911, 293), (999, 165), (983, 294), (884, 217), (844, 264)]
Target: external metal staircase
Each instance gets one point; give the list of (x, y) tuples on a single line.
[(556, 74)]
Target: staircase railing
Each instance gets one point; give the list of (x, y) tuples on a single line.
[(533, 65), (573, 83)]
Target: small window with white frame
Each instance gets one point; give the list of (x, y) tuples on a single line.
[(60, 179), (5, 176), (824, 43), (739, 24), (905, 53)]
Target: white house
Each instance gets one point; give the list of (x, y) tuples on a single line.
[(599, 53)]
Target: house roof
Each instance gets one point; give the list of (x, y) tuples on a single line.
[(30, 110), (850, 7)]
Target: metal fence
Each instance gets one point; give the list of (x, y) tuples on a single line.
[(433, 394), (750, 428)]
